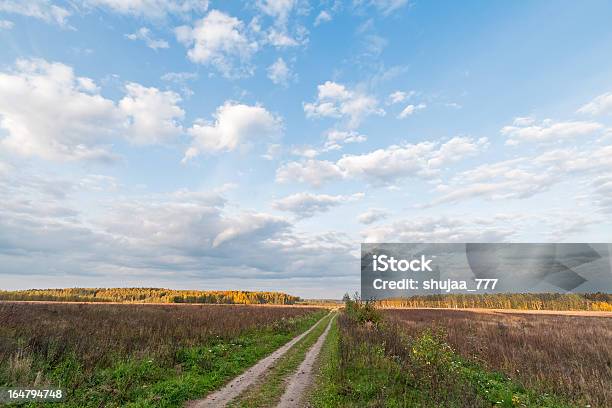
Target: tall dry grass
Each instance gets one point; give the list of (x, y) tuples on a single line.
[(99, 333), (566, 355)]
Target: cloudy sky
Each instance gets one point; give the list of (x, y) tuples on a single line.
[(228, 145)]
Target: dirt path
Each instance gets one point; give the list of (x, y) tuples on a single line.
[(230, 391), (302, 378)]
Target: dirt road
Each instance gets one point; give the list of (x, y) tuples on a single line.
[(221, 397), (302, 379)]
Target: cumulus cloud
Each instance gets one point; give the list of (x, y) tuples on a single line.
[(144, 34), (598, 106), (49, 112), (410, 109), (322, 17), (336, 138), (384, 166), (153, 115), (279, 34), (221, 41), (305, 205), (278, 9), (279, 73), (337, 101), (234, 125), (372, 215), (151, 8), (41, 9), (528, 130), (313, 172)]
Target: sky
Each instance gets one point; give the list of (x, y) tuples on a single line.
[(254, 145)]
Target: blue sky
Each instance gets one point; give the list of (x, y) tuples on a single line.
[(230, 145)]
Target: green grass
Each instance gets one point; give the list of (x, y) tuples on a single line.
[(145, 382), (364, 366), (268, 392)]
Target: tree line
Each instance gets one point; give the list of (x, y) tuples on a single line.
[(150, 295), (525, 301)]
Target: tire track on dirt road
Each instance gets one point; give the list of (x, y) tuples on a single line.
[(295, 391), (223, 396)]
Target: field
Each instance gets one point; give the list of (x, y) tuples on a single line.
[(564, 355), (116, 355), (411, 357)]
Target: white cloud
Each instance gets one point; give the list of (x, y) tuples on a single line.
[(144, 34), (386, 7), (152, 8), (305, 151), (234, 125), (279, 73), (273, 151), (399, 96), (384, 166), (410, 109), (278, 9), (153, 115), (456, 149), (527, 130), (279, 34), (525, 177), (598, 106), (336, 138), (179, 77), (6, 25), (48, 111), (42, 9), (221, 41), (372, 215), (305, 205), (281, 39), (197, 236), (602, 192), (314, 172), (335, 100), (322, 17), (438, 229)]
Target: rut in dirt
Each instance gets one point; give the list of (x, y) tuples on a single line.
[(223, 396), (300, 382)]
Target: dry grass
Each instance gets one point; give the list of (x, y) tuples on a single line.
[(565, 355), (99, 333)]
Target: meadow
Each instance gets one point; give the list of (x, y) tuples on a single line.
[(139, 355), (449, 358)]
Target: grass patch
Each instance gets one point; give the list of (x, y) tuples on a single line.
[(371, 363), (267, 393), (159, 380)]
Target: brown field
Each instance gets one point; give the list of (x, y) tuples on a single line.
[(100, 332), (556, 353)]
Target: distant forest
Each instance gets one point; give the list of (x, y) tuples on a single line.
[(150, 295), (525, 301)]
